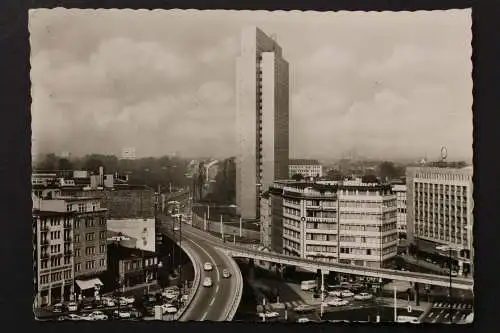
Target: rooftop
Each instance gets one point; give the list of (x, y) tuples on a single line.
[(299, 161), (123, 253)]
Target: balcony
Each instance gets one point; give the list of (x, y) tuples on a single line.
[(68, 240)]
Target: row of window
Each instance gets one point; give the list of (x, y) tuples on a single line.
[(365, 204), (90, 222), (55, 277), (91, 250), (90, 236), (293, 245), (90, 264), (367, 216), (321, 226), (321, 214), (291, 211), (440, 187), (291, 233), (367, 193)]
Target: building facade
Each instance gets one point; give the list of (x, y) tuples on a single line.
[(349, 222), (128, 153), (306, 168), (400, 192), (262, 99), (440, 211), (53, 266)]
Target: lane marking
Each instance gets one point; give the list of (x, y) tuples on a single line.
[(217, 289), (212, 259), (204, 316), (212, 301)]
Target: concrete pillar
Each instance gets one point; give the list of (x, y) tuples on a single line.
[(50, 295), (251, 270), (417, 294), (62, 293)]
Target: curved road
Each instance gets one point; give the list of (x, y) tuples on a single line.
[(209, 303)]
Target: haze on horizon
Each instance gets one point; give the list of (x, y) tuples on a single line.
[(385, 85)]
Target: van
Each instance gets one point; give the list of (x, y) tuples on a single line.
[(308, 285)]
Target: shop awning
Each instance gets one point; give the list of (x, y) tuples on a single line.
[(88, 284)]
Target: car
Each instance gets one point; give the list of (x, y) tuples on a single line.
[(170, 293), (73, 316), (122, 301), (177, 228), (335, 293), (226, 274), (207, 266), (207, 282), (346, 293), (363, 296), (97, 315), (338, 302), (122, 314), (269, 314), (130, 299), (454, 273), (170, 309), (57, 308), (109, 302), (304, 308), (303, 320), (72, 307)]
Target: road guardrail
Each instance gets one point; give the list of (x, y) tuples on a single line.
[(195, 285), (239, 290)]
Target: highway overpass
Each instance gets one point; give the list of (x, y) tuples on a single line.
[(246, 252), (216, 303)]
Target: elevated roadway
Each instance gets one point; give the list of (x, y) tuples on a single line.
[(246, 252), (220, 301)]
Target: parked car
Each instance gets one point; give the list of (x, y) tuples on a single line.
[(73, 316), (98, 315), (122, 314), (122, 301), (72, 307), (57, 308), (303, 320), (363, 296), (335, 293), (226, 274), (304, 308), (338, 302), (207, 282), (269, 314), (170, 293), (207, 266), (170, 310), (346, 293), (108, 301)]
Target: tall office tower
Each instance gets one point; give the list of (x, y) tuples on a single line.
[(262, 106)]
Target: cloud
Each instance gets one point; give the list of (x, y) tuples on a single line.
[(388, 84)]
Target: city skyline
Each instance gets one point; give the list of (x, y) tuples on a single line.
[(382, 96)]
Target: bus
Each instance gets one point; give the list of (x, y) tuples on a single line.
[(308, 285)]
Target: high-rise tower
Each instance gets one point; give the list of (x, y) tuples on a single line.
[(262, 106)]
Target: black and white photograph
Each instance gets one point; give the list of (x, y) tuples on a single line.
[(252, 166)]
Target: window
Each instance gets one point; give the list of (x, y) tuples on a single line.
[(77, 223), (78, 267), (102, 234), (90, 250), (77, 238), (77, 252), (44, 264), (102, 262), (102, 248), (90, 236), (89, 264), (102, 221)]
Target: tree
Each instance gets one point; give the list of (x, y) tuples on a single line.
[(387, 170), (64, 164), (48, 163), (297, 177)]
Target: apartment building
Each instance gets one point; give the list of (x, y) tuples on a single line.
[(400, 192), (53, 269), (88, 237), (440, 212), (348, 222), (306, 168)]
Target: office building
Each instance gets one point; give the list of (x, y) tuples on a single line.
[(262, 106), (439, 215), (304, 167), (348, 222), (400, 192)]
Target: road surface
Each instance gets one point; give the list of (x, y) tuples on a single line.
[(209, 303)]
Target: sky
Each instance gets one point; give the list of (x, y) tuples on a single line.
[(383, 85)]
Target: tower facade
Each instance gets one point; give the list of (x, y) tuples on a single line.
[(262, 106)]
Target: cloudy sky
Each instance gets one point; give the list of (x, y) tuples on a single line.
[(390, 85)]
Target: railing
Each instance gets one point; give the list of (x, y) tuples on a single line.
[(239, 291), (194, 287)]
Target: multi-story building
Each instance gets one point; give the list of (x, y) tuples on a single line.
[(348, 222), (128, 153), (400, 192), (88, 237), (52, 255), (304, 167), (262, 99), (440, 208)]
